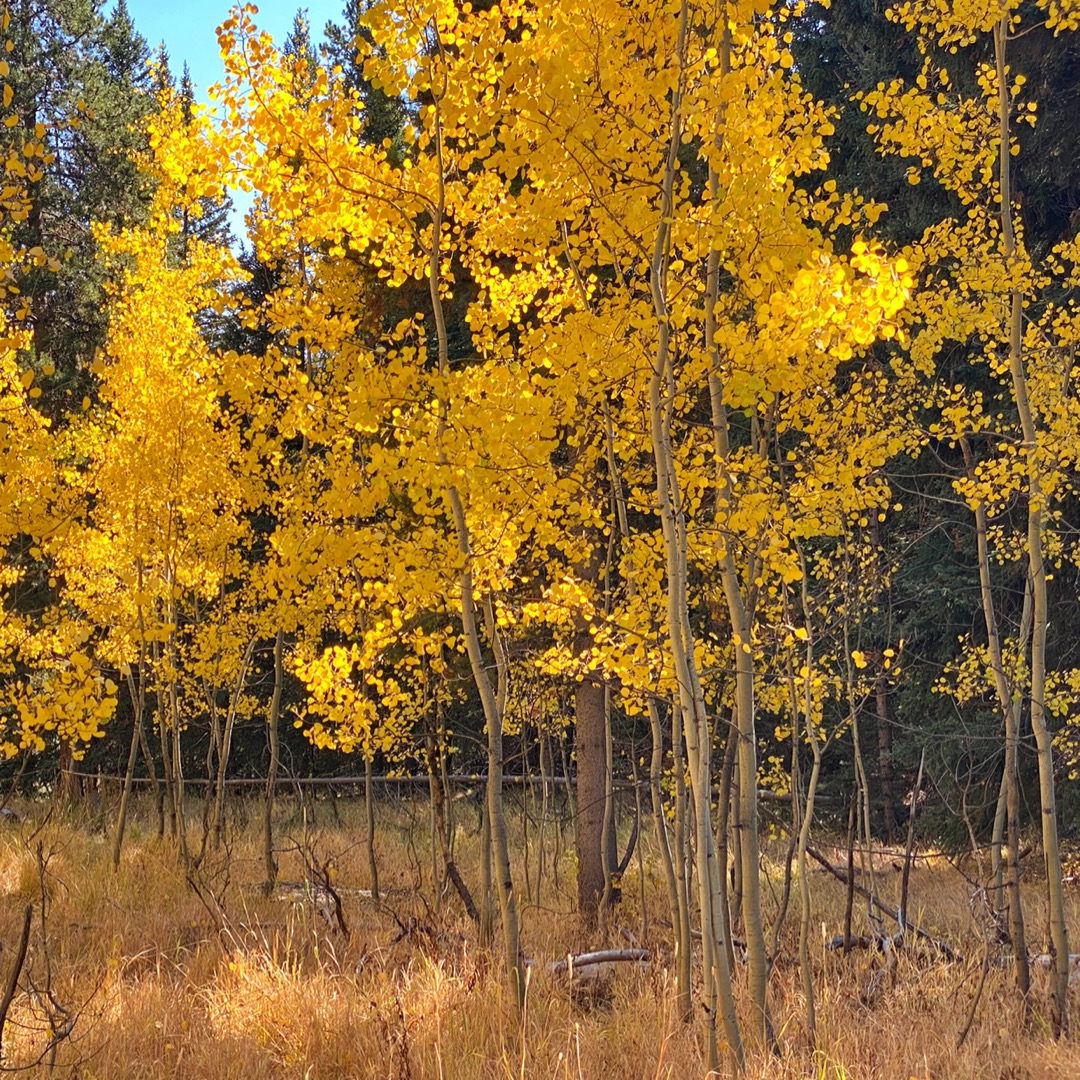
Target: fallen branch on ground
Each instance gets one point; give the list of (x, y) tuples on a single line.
[(604, 956), (894, 914), (16, 969), (594, 965)]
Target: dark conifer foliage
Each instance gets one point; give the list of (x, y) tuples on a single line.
[(84, 76), (384, 116), (211, 224), (841, 50)]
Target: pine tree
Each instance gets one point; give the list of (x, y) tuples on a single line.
[(385, 115), (211, 223), (84, 77)]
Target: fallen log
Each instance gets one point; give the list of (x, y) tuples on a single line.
[(604, 956), (594, 965), (856, 941), (895, 914)]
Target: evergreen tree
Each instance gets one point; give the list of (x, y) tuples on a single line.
[(211, 224), (384, 116), (83, 78), (849, 48), (300, 50)]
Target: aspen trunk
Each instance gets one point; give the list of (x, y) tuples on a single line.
[(807, 815), (129, 773), (213, 751), (675, 889), (166, 766), (717, 975), (849, 899), (269, 862), (500, 851), (137, 692), (674, 868), (684, 958), (608, 845), (1059, 936), (447, 787), (997, 845), (159, 786), (884, 748), (493, 715), (590, 781), (741, 630), (162, 725), (1009, 802), (723, 841), (806, 972), (438, 806), (369, 827), (544, 747), (178, 770), (734, 813), (746, 760), (226, 745), (526, 856), (862, 784), (172, 696), (492, 703), (902, 910), (487, 915)]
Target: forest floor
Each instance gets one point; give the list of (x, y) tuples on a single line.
[(143, 973)]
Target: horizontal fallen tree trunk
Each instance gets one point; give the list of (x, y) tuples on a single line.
[(571, 963), (894, 914), (856, 941)]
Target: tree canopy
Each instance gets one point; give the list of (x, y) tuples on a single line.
[(716, 356)]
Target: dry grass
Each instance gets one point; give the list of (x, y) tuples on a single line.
[(158, 985)]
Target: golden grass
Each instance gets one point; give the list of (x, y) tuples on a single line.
[(159, 986)]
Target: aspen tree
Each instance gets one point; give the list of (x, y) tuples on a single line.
[(157, 503), (546, 171), (1009, 703), (980, 283), (433, 191), (1037, 493)]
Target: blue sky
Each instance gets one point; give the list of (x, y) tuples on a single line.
[(187, 28)]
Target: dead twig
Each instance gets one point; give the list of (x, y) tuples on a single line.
[(897, 916), (16, 970)]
